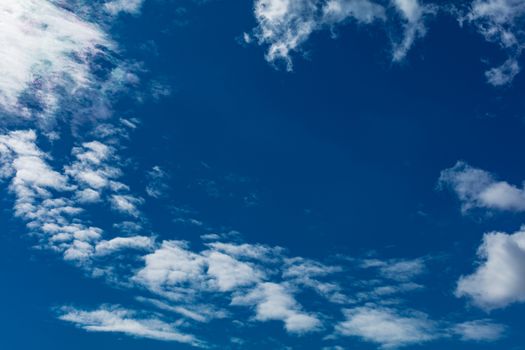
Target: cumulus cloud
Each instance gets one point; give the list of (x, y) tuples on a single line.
[(51, 202), (499, 280), (275, 302), (478, 188), (387, 327), (118, 320), (119, 243)]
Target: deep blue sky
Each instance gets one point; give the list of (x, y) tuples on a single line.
[(340, 157)]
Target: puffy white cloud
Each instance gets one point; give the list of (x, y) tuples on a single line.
[(50, 201), (171, 269), (500, 278), (229, 273), (274, 301), (480, 331), (387, 327), (119, 243), (478, 188), (119, 320)]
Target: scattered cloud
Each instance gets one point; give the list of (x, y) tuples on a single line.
[(118, 320), (157, 186), (480, 331), (414, 15), (387, 327), (285, 25), (500, 22), (274, 301), (46, 50), (478, 188)]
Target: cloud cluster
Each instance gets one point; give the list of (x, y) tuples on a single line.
[(285, 25), (501, 22), (199, 285), (46, 51), (52, 202), (56, 65), (499, 278)]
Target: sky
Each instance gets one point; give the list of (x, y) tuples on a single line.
[(262, 174)]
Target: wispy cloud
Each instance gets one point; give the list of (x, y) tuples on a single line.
[(500, 22), (285, 25), (480, 331), (118, 320)]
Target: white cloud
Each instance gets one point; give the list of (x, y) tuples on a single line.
[(285, 25), (44, 49), (312, 274), (397, 269), (364, 11), (478, 188), (387, 327), (275, 302), (480, 331), (117, 320), (157, 186), (91, 169), (119, 243), (413, 14), (198, 313), (503, 74), (126, 204), (500, 22), (500, 278), (171, 269), (250, 251), (229, 273), (115, 7)]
